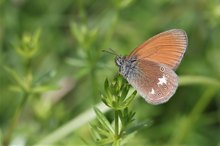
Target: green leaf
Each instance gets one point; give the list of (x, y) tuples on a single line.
[(78, 32), (101, 131), (104, 100), (34, 43), (116, 142), (125, 91), (105, 141), (128, 138), (15, 77), (29, 45), (126, 117), (106, 84), (44, 88), (104, 122), (81, 72), (45, 77), (94, 131), (15, 88), (128, 100), (36, 36), (76, 62), (122, 3), (101, 136), (137, 127)]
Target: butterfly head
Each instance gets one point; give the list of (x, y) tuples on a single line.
[(126, 65), (119, 60)]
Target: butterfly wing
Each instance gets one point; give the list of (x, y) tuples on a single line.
[(153, 81), (167, 48)]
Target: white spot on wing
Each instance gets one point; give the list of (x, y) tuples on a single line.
[(152, 91), (162, 80)]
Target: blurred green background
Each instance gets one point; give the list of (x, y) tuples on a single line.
[(72, 34)]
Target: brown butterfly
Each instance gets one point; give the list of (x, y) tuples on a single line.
[(150, 67)]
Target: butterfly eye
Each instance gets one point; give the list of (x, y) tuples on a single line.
[(133, 60), (119, 61)]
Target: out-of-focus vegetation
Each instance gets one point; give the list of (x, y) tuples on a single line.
[(56, 45)]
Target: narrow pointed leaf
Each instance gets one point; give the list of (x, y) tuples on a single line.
[(106, 84), (130, 99), (101, 118), (138, 126), (15, 77), (41, 89)]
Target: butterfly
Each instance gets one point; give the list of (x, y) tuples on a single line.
[(150, 68)]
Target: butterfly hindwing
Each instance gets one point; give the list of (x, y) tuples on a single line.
[(153, 81)]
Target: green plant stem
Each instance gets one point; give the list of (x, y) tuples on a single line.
[(94, 83), (116, 143), (198, 80), (25, 97), (116, 124), (8, 135)]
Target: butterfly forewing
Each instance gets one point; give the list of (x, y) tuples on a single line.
[(153, 81), (166, 48)]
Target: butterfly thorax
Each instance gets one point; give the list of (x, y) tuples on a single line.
[(126, 65)]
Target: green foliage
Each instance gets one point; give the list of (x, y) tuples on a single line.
[(24, 84), (57, 45), (115, 95), (29, 45), (118, 98)]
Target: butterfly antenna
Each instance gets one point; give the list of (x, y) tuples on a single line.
[(110, 51)]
